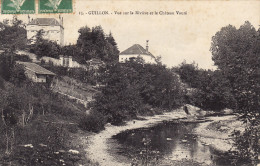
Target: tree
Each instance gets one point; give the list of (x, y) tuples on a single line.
[(211, 89), (112, 51), (6, 65), (43, 47), (134, 88), (72, 50), (236, 53), (17, 75), (93, 43), (119, 99), (189, 73), (12, 36)]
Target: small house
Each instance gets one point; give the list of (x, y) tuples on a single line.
[(37, 73), (136, 51)]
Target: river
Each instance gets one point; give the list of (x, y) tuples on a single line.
[(155, 139), (166, 141)]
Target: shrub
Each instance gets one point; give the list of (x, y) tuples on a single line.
[(94, 122)]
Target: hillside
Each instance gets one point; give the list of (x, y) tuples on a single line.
[(48, 135)]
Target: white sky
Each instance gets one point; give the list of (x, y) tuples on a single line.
[(175, 38)]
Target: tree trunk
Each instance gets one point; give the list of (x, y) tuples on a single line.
[(23, 119), (12, 140), (7, 142), (42, 109)]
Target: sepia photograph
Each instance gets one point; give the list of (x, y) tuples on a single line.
[(130, 83)]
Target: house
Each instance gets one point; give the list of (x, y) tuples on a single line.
[(37, 73), (136, 51), (53, 30)]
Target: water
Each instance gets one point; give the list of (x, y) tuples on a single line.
[(165, 141)]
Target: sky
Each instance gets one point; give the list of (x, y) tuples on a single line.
[(173, 37)]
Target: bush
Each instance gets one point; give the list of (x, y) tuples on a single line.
[(94, 122)]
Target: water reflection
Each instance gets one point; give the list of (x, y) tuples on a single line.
[(173, 141)]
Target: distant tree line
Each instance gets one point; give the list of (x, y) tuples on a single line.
[(92, 43)]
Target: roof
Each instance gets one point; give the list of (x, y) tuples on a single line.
[(45, 21), (35, 68), (136, 49)]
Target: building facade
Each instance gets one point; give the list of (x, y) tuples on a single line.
[(52, 29), (136, 51)]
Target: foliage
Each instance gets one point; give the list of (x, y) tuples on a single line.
[(17, 75), (83, 75), (47, 124), (43, 47), (236, 53), (93, 43), (119, 99), (6, 64), (247, 144), (94, 122), (130, 88), (72, 50), (211, 90), (12, 34), (8, 69), (189, 73)]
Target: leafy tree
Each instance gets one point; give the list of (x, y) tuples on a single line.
[(6, 65), (13, 35), (212, 90), (72, 50), (236, 53), (43, 47), (119, 99), (17, 75), (93, 43), (189, 73), (134, 88), (112, 51)]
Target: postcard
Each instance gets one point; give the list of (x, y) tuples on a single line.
[(123, 82)]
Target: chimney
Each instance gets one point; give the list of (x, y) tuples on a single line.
[(61, 20), (147, 47)]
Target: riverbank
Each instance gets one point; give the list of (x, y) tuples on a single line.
[(217, 132)]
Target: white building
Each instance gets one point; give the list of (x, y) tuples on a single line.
[(53, 30), (136, 51)]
